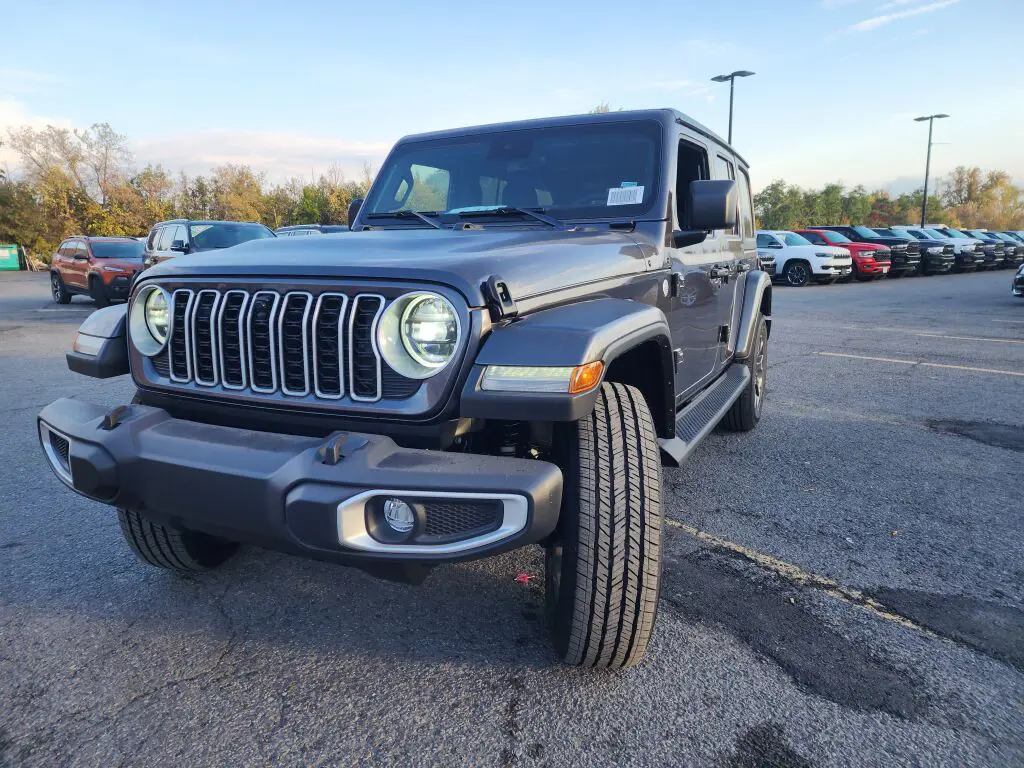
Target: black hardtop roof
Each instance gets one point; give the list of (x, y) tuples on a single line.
[(666, 117)]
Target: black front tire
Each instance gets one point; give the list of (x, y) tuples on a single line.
[(745, 413), (176, 549), (603, 566), (58, 290)]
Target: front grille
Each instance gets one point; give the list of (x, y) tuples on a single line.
[(947, 249), (62, 448), (913, 248), (267, 342)]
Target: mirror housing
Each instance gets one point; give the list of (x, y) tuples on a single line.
[(353, 209), (714, 204), (81, 255), (179, 245), (688, 237)]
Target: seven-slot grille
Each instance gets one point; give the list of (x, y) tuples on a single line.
[(294, 343)]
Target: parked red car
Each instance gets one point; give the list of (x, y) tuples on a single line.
[(870, 261), (100, 267)]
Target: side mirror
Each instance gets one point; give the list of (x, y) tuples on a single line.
[(353, 209), (713, 204), (81, 255), (179, 245)]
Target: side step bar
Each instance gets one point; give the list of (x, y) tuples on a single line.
[(699, 417)]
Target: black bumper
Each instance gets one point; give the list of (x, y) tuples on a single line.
[(940, 262), (287, 492)]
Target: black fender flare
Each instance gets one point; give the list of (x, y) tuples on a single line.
[(101, 345), (757, 300), (566, 336)]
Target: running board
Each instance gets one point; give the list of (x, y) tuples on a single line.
[(699, 417)]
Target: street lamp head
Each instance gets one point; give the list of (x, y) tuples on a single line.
[(721, 78), (930, 117), (742, 73), (938, 116)]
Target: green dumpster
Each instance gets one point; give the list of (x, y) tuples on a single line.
[(8, 256)]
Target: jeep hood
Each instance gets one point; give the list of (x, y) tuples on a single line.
[(530, 260)]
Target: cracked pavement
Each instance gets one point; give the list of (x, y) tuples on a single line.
[(844, 586)]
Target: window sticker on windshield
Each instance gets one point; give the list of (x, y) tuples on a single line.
[(625, 196), (628, 184)]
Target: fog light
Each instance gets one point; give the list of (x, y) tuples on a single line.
[(399, 516)]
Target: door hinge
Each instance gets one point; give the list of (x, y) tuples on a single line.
[(723, 334), (499, 298), (677, 358)]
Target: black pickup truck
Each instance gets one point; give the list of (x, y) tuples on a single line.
[(527, 321), (905, 255)]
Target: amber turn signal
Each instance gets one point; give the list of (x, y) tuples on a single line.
[(585, 377)]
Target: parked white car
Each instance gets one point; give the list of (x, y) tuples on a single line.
[(798, 261)]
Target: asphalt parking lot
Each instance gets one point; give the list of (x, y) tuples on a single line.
[(843, 586)]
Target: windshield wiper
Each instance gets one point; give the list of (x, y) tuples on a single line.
[(424, 216), (509, 210)]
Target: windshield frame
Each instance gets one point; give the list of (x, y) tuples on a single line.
[(404, 156), (204, 226)]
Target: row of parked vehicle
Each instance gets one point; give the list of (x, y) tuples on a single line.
[(104, 268), (826, 254)]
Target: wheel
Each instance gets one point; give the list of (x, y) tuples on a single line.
[(98, 292), (603, 566), (58, 290), (746, 411), (797, 273), (176, 549)]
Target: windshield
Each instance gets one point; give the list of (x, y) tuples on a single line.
[(836, 237), (572, 172), (792, 238), (865, 232), (934, 233), (913, 233), (117, 250), (885, 232), (206, 237)]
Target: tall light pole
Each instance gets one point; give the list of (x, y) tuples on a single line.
[(927, 163), (731, 77)]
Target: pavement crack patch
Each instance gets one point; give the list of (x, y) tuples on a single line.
[(986, 432), (511, 726), (992, 629), (764, 746), (711, 586), (796, 575)]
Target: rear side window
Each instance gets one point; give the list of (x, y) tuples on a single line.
[(766, 241), (746, 206), (164, 241)]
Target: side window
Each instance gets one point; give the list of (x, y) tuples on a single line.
[(179, 234), (764, 241), (746, 206), (724, 169), (815, 238), (164, 242), (64, 249), (83, 249), (691, 165)]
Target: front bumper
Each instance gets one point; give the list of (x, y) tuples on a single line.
[(119, 287), (302, 495), (836, 268), (873, 267), (938, 262)]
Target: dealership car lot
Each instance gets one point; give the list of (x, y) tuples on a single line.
[(844, 589)]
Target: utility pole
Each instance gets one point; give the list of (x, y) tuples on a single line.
[(731, 77), (927, 163)]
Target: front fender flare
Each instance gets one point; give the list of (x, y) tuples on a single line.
[(600, 329)]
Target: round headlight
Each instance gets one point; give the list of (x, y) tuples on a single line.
[(149, 320), (419, 334), (157, 315), (430, 330)]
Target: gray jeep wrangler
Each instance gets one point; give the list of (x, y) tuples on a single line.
[(527, 321)]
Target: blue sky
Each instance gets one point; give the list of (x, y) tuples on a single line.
[(293, 87)]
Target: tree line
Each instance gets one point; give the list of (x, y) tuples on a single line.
[(968, 197), (86, 182)]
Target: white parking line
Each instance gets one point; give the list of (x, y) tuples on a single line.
[(922, 363), (933, 334)]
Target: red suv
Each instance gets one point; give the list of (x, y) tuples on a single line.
[(869, 261), (100, 267)]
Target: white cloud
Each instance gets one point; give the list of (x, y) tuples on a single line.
[(279, 155), (877, 21), (14, 114), (14, 80)]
